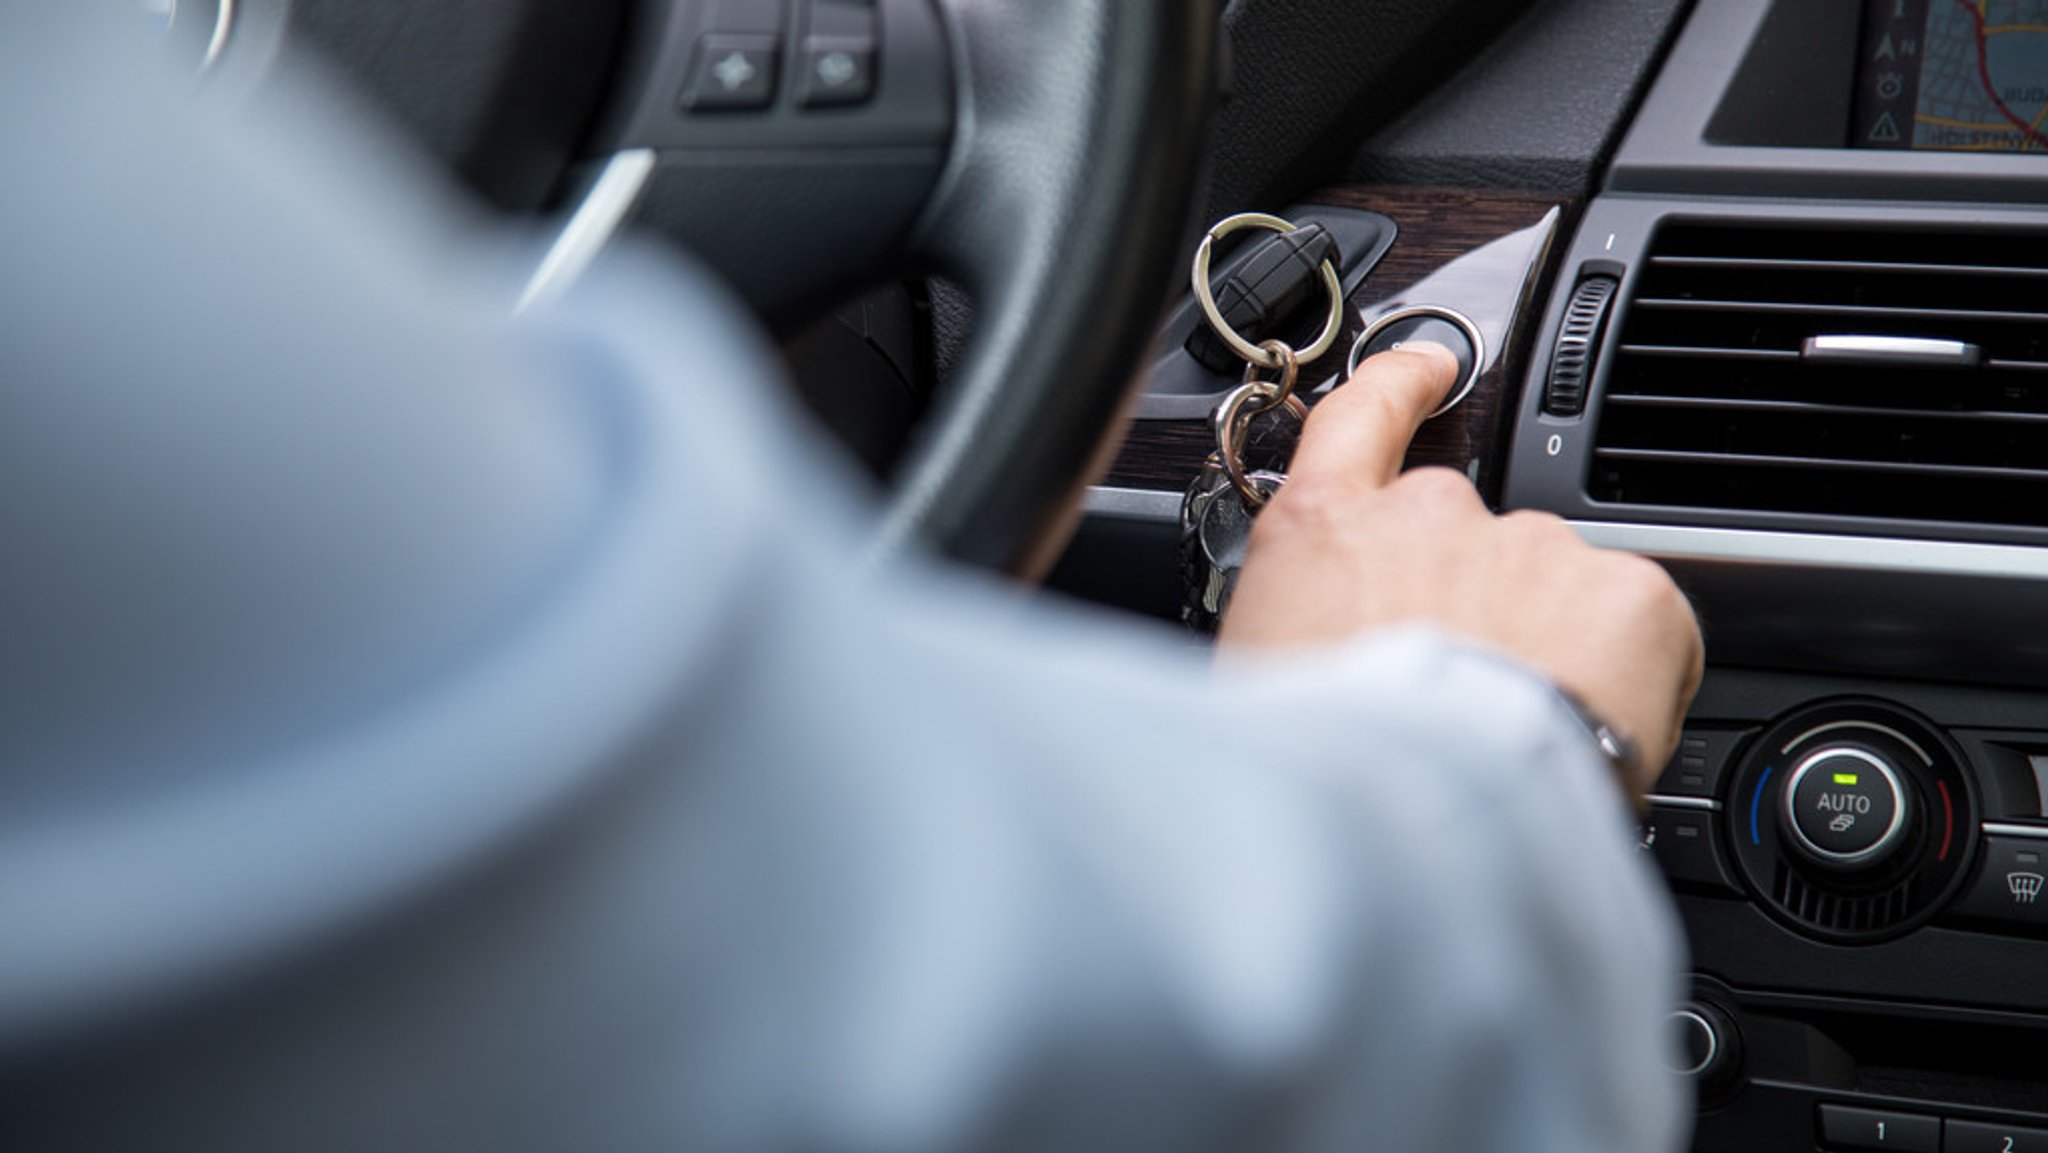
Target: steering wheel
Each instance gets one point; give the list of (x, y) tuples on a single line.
[(1043, 154)]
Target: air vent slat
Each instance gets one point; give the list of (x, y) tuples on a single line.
[(1875, 267), (1788, 308), (1708, 352), (1709, 401), (1822, 463), (1734, 404)]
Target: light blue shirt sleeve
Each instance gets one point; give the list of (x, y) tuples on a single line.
[(425, 730)]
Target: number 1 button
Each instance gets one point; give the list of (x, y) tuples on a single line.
[(1842, 1127)]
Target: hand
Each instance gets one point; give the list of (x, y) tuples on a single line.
[(1351, 543)]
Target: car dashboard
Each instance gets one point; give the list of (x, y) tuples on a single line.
[(1793, 344)]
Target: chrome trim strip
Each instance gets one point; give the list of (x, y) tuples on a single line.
[(1731, 546), (2031, 832), (1813, 550), (590, 228), (1134, 503), (1704, 804), (1896, 350)]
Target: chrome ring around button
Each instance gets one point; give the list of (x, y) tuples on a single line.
[(1204, 296), (1893, 829), (1689, 1017), (1451, 315)]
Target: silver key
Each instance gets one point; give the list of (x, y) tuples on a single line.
[(1215, 528)]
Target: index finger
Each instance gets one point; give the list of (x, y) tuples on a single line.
[(1362, 429)]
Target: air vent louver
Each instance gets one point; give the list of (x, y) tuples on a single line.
[(1717, 399), (1844, 915)]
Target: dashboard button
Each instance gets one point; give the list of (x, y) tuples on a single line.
[(2008, 885), (1842, 1127), (1976, 1137), (1686, 843), (1847, 806), (1698, 1044), (1700, 763), (1454, 330)]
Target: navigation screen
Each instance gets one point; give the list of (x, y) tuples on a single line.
[(1958, 75)]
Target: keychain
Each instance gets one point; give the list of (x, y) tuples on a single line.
[(1217, 511)]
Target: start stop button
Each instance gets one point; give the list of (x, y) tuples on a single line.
[(1845, 806)]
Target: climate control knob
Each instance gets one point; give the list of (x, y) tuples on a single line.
[(1851, 819), (1846, 808)]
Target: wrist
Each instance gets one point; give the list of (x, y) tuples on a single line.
[(1616, 746)]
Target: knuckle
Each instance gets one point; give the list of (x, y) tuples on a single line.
[(1544, 528), (1650, 588), (1306, 503), (1437, 486)]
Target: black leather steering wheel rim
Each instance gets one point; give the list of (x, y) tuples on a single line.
[(1062, 211), (1062, 205)]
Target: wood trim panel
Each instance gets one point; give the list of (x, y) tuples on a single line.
[(1486, 253)]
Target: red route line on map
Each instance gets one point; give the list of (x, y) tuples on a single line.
[(1984, 78)]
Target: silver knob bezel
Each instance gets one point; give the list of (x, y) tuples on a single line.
[(1713, 1035), (1433, 312), (1884, 841)]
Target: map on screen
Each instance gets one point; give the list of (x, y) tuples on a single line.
[(1956, 75)]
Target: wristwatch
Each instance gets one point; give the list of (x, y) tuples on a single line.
[(1622, 753)]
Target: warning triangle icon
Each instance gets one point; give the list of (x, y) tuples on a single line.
[(1885, 131)]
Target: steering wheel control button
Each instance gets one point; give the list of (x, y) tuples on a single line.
[(1842, 1127), (733, 73), (1977, 1137), (2011, 889), (1845, 806), (837, 73), (1428, 322)]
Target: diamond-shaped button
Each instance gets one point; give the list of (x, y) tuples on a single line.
[(733, 72)]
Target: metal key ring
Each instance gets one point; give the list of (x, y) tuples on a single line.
[(1232, 422), (1207, 299), (1290, 372)]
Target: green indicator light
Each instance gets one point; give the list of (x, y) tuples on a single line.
[(1845, 778)]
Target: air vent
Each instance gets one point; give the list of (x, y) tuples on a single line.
[(1833, 373), (1840, 914)]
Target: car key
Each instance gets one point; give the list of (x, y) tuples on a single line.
[(1216, 527)]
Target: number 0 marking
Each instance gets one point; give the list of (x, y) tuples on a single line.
[(1555, 445)]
